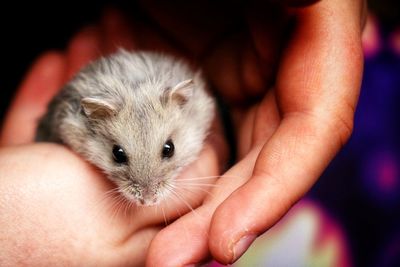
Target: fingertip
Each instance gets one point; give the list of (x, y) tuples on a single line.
[(42, 82), (155, 250), (247, 213), (253, 80), (117, 30), (239, 220), (221, 67), (84, 47), (300, 3), (49, 59), (43, 79), (160, 254), (182, 243), (222, 236)]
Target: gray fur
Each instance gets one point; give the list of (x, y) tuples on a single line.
[(141, 108)]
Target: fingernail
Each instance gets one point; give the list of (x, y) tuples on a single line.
[(242, 245)]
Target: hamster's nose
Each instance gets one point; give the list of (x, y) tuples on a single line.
[(148, 202)]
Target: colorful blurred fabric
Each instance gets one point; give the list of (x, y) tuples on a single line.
[(352, 215)]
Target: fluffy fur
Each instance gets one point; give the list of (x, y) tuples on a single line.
[(141, 112)]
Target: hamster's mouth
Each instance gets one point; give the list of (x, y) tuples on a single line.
[(144, 202), (142, 196)]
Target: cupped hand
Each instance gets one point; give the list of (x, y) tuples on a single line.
[(286, 136), (310, 53), (56, 209)]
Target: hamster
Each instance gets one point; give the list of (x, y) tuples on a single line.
[(141, 117)]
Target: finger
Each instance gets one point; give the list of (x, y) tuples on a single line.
[(266, 121), (43, 80), (186, 27), (221, 66), (133, 252), (217, 141), (299, 3), (190, 233), (192, 229), (117, 31), (254, 79), (258, 125), (317, 89), (260, 60), (83, 48), (244, 122), (149, 37)]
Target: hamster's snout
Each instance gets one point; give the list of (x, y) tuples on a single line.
[(146, 193), (144, 202), (148, 196)]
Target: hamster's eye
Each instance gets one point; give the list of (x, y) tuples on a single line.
[(168, 149), (119, 154)]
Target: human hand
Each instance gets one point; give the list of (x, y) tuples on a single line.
[(287, 139), (56, 209)]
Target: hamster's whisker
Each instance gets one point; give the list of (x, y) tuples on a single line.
[(176, 199), (115, 189), (170, 188), (112, 198), (116, 207), (209, 177), (124, 203), (199, 184), (126, 206), (186, 203), (199, 178), (110, 194), (107, 202), (184, 186), (131, 205), (195, 213), (194, 189), (155, 208), (112, 191), (165, 218)]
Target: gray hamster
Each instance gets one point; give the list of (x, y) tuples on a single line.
[(138, 116)]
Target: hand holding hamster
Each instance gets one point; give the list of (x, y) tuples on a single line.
[(61, 203), (292, 71), (141, 117), (286, 137)]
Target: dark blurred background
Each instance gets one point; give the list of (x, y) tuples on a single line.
[(28, 29), (360, 189)]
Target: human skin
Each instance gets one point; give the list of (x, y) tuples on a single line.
[(284, 140), (56, 209)]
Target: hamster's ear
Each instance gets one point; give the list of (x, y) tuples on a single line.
[(182, 92), (96, 108)]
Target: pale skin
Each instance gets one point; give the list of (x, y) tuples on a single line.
[(285, 140)]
